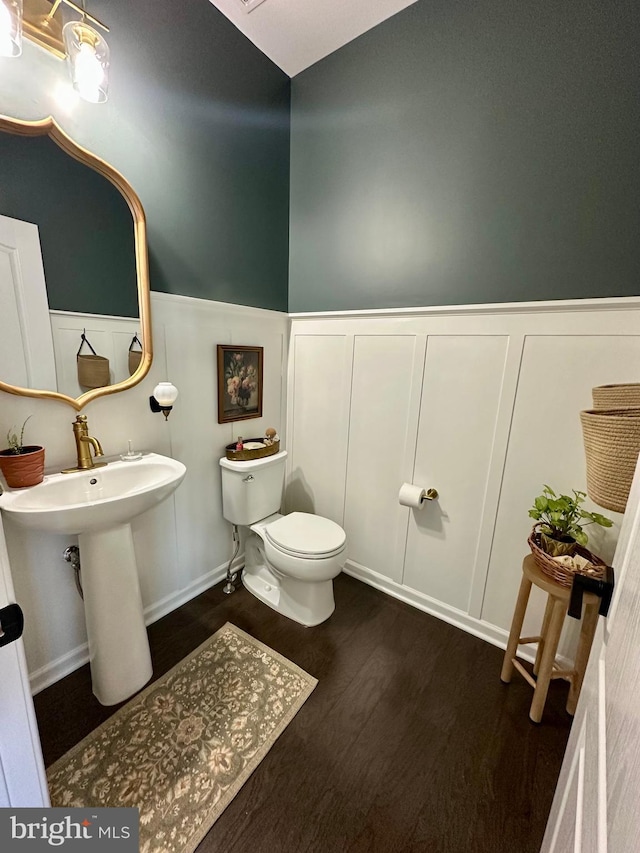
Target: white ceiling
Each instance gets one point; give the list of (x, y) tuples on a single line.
[(296, 33)]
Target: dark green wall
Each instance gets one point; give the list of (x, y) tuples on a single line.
[(85, 226), (198, 121), (467, 152)]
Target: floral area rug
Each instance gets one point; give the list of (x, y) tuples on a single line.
[(182, 749)]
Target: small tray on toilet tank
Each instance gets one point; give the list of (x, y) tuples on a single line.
[(245, 455)]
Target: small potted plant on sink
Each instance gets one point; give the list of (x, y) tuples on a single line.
[(21, 464), (561, 521)]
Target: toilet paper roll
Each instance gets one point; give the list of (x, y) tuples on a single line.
[(412, 496)]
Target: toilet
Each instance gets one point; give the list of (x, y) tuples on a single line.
[(290, 560)]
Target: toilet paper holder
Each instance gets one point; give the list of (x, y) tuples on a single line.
[(414, 496)]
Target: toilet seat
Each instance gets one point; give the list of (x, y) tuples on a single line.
[(301, 534)]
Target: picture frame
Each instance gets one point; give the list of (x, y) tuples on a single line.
[(240, 379)]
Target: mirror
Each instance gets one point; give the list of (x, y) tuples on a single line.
[(73, 260)]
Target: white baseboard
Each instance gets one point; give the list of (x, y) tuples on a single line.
[(58, 668), (69, 662), (484, 630), (65, 664), (177, 599)]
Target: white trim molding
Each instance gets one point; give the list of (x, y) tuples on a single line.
[(611, 303)]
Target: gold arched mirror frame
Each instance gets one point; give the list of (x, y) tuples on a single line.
[(49, 127)]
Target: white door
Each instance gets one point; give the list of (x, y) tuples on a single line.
[(597, 801), (26, 342), (22, 776)]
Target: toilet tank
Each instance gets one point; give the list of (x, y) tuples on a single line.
[(252, 490)]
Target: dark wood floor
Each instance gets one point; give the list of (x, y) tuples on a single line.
[(409, 742)]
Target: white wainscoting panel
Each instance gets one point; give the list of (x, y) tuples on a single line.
[(511, 417), (546, 446), (493, 418), (184, 544), (45, 589), (109, 336), (387, 373), (319, 398), (193, 328), (460, 400)]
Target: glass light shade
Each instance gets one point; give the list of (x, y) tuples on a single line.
[(88, 60), (10, 27), (165, 393)]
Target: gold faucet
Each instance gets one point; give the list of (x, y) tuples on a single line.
[(84, 443)]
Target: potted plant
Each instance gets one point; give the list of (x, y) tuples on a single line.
[(561, 520), (21, 464)]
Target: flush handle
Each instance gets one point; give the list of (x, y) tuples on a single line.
[(248, 479)]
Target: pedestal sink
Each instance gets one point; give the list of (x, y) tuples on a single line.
[(98, 505)]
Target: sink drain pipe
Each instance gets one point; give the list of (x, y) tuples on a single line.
[(231, 575), (72, 555)]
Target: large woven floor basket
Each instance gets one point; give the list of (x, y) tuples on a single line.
[(622, 396), (611, 445), (555, 570)]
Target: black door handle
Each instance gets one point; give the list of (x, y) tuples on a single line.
[(602, 587), (11, 624)]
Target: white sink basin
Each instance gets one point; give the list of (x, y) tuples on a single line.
[(99, 505), (95, 499)]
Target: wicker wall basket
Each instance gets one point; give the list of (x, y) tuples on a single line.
[(556, 571), (622, 396), (611, 444), (93, 371)]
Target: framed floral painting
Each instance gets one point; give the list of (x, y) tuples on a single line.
[(239, 383)]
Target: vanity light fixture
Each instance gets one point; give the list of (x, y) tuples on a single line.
[(86, 51), (88, 60), (164, 396)]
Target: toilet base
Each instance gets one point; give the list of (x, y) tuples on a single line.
[(308, 604)]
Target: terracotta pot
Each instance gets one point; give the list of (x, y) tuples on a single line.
[(22, 469)]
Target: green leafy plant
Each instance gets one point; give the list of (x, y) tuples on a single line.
[(15, 442), (563, 518)]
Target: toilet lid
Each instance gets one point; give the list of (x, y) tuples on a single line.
[(304, 533)]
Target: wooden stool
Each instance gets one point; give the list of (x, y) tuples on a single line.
[(545, 667)]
